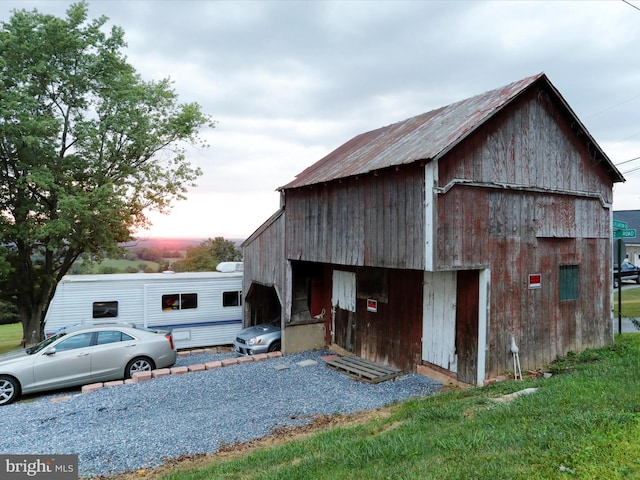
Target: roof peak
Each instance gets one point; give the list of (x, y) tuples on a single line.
[(427, 136)]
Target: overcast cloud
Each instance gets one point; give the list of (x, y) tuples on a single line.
[(290, 81)]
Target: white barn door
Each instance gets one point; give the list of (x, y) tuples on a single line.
[(439, 320)]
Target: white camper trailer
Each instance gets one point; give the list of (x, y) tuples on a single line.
[(201, 308)]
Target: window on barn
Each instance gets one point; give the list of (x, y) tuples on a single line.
[(231, 299), (105, 309), (373, 283), (569, 282), (179, 301)]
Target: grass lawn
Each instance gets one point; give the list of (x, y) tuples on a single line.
[(582, 423), (121, 265), (630, 302), (10, 337)]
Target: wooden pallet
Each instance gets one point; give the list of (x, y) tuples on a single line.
[(363, 369)]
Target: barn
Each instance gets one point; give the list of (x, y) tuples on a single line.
[(437, 241)]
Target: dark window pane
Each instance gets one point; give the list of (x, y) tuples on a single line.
[(188, 300), (75, 341), (105, 309), (112, 337), (171, 302), (231, 299)]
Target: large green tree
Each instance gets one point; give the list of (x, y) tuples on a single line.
[(207, 255), (87, 149)]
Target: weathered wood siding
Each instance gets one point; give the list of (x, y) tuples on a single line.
[(521, 197), (392, 334), (542, 324), (467, 295), (374, 220), (264, 259), (530, 145)]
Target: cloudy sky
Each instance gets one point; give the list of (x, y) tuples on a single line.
[(289, 81)]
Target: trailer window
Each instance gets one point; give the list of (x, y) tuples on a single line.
[(188, 300), (231, 299), (180, 301), (170, 302), (105, 309)]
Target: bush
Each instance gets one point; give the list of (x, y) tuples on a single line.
[(8, 313)]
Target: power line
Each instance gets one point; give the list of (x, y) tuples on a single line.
[(617, 105), (631, 170), (627, 161), (613, 106)]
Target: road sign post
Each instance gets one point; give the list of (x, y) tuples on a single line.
[(621, 230), (620, 250)]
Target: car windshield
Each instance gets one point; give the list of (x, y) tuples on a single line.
[(36, 348)]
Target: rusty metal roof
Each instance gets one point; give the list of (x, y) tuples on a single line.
[(424, 137)]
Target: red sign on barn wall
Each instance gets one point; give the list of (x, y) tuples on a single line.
[(372, 305), (535, 280)]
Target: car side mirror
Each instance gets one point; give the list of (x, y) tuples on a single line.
[(50, 351)]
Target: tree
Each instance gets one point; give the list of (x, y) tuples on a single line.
[(206, 256), (87, 149)]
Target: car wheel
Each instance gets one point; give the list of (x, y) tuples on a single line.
[(274, 347), (616, 282), (9, 389), (139, 364)]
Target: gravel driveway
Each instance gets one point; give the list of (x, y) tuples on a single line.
[(137, 426)]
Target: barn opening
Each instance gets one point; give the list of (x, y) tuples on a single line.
[(264, 304), (307, 298)]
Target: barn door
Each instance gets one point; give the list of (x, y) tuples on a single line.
[(439, 320), (467, 307), (343, 302)]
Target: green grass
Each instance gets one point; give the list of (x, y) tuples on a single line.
[(630, 302), (10, 337), (583, 423), (122, 265)]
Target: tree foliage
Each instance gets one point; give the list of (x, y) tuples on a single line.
[(87, 149), (206, 256)]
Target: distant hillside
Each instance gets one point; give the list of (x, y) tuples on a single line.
[(178, 244), (148, 255)]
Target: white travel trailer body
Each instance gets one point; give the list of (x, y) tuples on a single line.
[(200, 308)]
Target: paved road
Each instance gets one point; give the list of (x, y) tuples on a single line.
[(627, 326)]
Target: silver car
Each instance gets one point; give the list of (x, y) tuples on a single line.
[(81, 355), (261, 338)]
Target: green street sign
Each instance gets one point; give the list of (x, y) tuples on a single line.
[(624, 233), (619, 224)]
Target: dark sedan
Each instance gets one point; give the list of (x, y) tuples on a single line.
[(629, 272)]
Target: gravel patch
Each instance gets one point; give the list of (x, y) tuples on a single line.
[(137, 426)]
